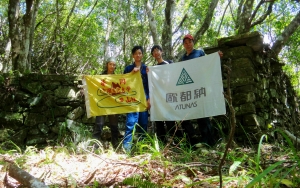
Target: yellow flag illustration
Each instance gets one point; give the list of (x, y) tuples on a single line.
[(114, 94)]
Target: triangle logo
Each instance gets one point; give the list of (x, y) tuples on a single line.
[(184, 78)]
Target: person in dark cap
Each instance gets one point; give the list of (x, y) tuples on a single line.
[(109, 68), (204, 124)]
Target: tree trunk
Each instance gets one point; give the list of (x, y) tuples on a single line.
[(152, 23), (109, 27), (32, 29), (244, 21), (6, 59), (13, 16), (167, 30), (19, 33)]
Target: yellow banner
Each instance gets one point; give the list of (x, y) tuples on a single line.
[(114, 94)]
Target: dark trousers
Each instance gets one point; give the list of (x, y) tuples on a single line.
[(162, 131), (189, 131), (113, 123), (205, 129)]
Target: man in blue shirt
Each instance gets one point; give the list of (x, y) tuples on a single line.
[(203, 123), (191, 53), (140, 118)]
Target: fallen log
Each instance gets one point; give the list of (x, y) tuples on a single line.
[(24, 177)]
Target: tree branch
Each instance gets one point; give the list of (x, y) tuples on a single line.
[(223, 17), (264, 16), (286, 34), (24, 177), (78, 29), (232, 121), (255, 10), (70, 14), (207, 20), (181, 23)]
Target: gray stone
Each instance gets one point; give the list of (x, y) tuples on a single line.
[(19, 137), (33, 87), (90, 120), (253, 39), (66, 92), (251, 120), (11, 120), (43, 128), (246, 89), (34, 119), (33, 131), (35, 140), (274, 93), (238, 52), (48, 85), (247, 108), (242, 81), (76, 113), (73, 126), (243, 98)]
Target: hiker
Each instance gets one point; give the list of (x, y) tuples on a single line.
[(161, 131), (204, 124), (109, 68), (140, 118)]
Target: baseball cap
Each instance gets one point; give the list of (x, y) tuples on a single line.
[(188, 36)]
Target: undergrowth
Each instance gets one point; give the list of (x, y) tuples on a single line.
[(264, 165)]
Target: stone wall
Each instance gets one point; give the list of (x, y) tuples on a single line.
[(34, 108), (263, 97)]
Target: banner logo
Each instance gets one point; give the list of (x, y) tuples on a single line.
[(184, 78)]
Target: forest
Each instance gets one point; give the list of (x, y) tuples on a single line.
[(76, 37)]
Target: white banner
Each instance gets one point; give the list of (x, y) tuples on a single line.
[(187, 90)]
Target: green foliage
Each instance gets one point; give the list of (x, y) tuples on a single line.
[(259, 152), (244, 168), (71, 135), (138, 181), (145, 144), (74, 38), (9, 147), (1, 79), (279, 171), (262, 175)]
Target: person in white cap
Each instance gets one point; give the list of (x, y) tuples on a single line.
[(109, 68)]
